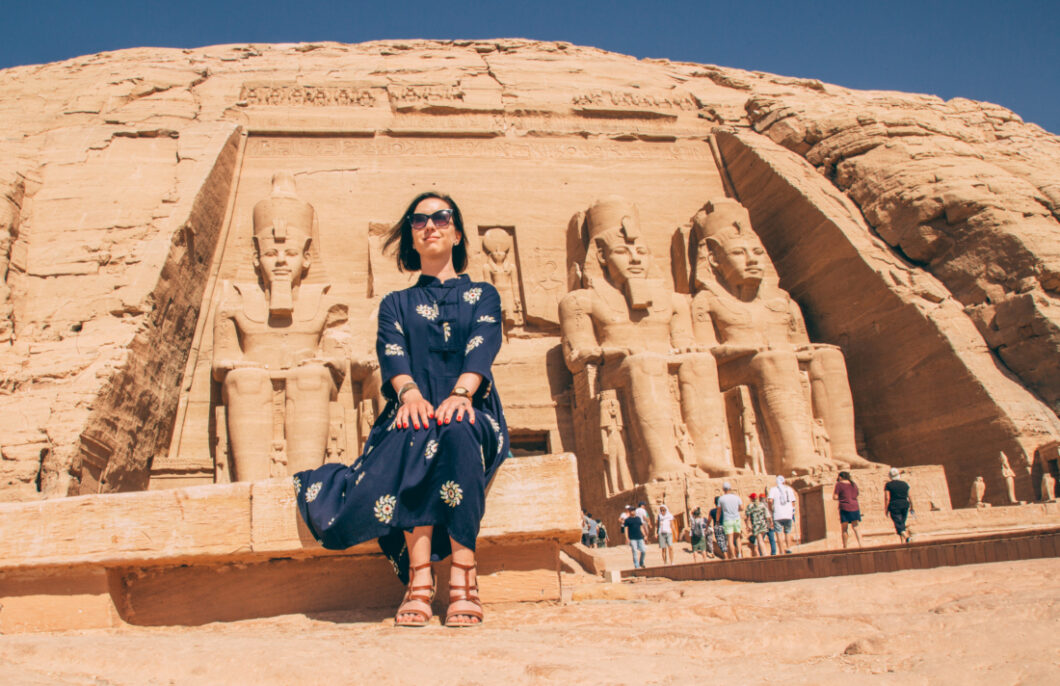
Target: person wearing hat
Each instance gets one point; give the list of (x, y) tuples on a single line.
[(897, 504), (782, 501), (664, 526), (756, 524)]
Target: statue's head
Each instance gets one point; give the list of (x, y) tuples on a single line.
[(283, 226), (614, 229), (498, 244), (726, 242)]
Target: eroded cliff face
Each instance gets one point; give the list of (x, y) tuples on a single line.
[(117, 173)]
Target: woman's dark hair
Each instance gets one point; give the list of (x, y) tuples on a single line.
[(408, 260), (846, 475)]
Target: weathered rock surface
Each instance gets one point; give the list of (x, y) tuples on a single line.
[(125, 179)]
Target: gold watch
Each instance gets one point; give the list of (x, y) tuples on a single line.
[(461, 392)]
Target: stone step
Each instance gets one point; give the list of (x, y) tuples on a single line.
[(237, 551)]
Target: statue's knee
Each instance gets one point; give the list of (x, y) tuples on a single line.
[(311, 378), (645, 365), (775, 362), (247, 381), (829, 359)]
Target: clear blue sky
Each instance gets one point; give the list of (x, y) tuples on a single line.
[(1004, 51)]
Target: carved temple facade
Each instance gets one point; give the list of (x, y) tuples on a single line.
[(526, 161)]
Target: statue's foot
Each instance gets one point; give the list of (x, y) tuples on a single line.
[(854, 461), (814, 468), (716, 469), (669, 474)]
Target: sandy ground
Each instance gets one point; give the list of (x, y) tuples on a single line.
[(981, 624)]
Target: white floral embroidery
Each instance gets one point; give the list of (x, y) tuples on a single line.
[(472, 295), (489, 318), (473, 343), (446, 330), (384, 508), (431, 450), (495, 424), (297, 485), (482, 456), (394, 350), (313, 491), (428, 312), (359, 477), (397, 325), (452, 494)]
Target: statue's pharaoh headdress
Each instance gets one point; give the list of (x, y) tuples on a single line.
[(719, 215), (283, 214)]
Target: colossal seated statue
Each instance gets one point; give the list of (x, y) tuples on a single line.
[(276, 351), (758, 336), (631, 332)]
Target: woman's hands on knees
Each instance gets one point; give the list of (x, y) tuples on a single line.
[(455, 406), (414, 410)]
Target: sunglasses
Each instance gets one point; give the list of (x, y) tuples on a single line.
[(440, 219)]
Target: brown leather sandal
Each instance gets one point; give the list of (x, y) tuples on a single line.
[(414, 595), (464, 593)]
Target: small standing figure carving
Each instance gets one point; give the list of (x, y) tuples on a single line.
[(686, 447), (822, 444), (975, 498), (500, 271), (1010, 478), (616, 468)]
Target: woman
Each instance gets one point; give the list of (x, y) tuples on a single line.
[(697, 532), (419, 486), (897, 504), (846, 492)]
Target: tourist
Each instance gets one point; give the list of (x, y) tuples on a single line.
[(626, 514), (782, 503), (897, 504), (419, 486), (593, 527), (846, 492), (730, 505), (664, 525), (601, 534), (697, 533), (634, 528), (642, 512), (718, 530), (763, 500), (756, 524)]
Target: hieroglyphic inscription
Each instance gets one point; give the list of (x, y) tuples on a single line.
[(296, 95), (610, 98), (294, 146), (411, 95)]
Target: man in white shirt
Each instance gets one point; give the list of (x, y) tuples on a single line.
[(642, 512), (730, 505), (664, 525), (782, 501)]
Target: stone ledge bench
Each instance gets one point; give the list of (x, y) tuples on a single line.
[(235, 551)]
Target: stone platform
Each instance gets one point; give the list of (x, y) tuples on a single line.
[(237, 551), (955, 551)]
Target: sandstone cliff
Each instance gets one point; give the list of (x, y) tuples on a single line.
[(920, 235)]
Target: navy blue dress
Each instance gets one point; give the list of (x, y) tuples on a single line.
[(410, 477)]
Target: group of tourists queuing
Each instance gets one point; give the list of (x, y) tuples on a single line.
[(768, 517)]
